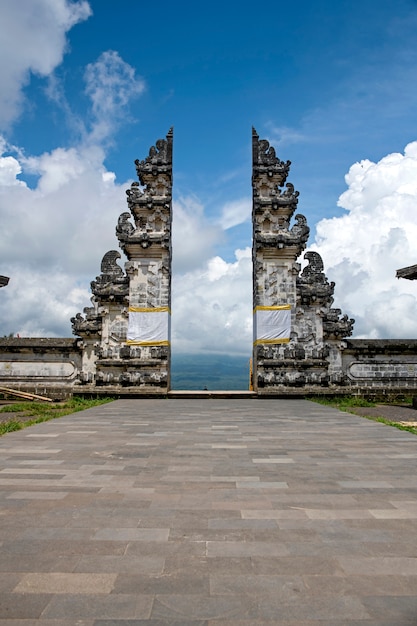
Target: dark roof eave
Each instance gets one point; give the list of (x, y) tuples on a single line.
[(408, 272)]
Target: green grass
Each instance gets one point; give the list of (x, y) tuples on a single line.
[(343, 402), (382, 420), (349, 403), (38, 412)]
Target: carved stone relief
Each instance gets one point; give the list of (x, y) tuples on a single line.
[(307, 359)]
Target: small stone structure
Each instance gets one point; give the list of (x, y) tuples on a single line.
[(302, 344), (410, 273)]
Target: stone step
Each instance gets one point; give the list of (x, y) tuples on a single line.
[(205, 393)]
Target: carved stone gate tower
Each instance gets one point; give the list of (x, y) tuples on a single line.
[(126, 333), (297, 335)]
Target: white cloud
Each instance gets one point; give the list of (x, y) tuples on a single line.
[(363, 249), (54, 236), (193, 236), (235, 212), (68, 218), (212, 307), (9, 170), (37, 303), (111, 84), (33, 39), (284, 135)]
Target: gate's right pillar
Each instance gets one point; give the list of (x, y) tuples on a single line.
[(297, 335)]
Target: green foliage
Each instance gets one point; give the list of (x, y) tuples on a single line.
[(29, 408), (343, 402), (10, 426), (44, 411), (382, 420)]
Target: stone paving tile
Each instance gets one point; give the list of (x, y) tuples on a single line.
[(206, 512), (150, 622), (380, 566), (8, 581), (22, 605), (277, 621), (173, 582), (391, 607), (59, 582), (251, 548), (363, 585), (128, 564), (132, 534), (46, 622), (99, 606), (41, 562), (185, 546), (201, 607), (285, 621)]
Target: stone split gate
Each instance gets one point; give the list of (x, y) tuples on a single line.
[(300, 341)]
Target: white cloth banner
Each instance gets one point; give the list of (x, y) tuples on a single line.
[(272, 324), (149, 326)]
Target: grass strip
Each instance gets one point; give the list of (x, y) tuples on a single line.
[(41, 412), (383, 420), (349, 403)]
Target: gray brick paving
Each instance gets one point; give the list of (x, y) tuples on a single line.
[(202, 512)]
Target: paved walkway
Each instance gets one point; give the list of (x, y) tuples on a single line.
[(206, 513)]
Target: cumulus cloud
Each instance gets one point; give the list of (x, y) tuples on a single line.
[(50, 224), (212, 307), (54, 236), (193, 236), (37, 303), (363, 248), (33, 40)]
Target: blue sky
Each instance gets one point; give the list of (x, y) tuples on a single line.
[(93, 84)]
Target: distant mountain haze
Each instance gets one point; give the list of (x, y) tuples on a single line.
[(211, 371)]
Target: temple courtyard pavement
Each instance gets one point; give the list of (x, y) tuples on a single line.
[(206, 512)]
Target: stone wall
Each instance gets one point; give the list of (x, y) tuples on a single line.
[(380, 366), (53, 368), (47, 367)]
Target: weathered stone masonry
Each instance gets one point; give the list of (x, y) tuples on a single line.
[(302, 344), (126, 333), (297, 334)]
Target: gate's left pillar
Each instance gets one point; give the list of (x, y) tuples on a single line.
[(147, 245)]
